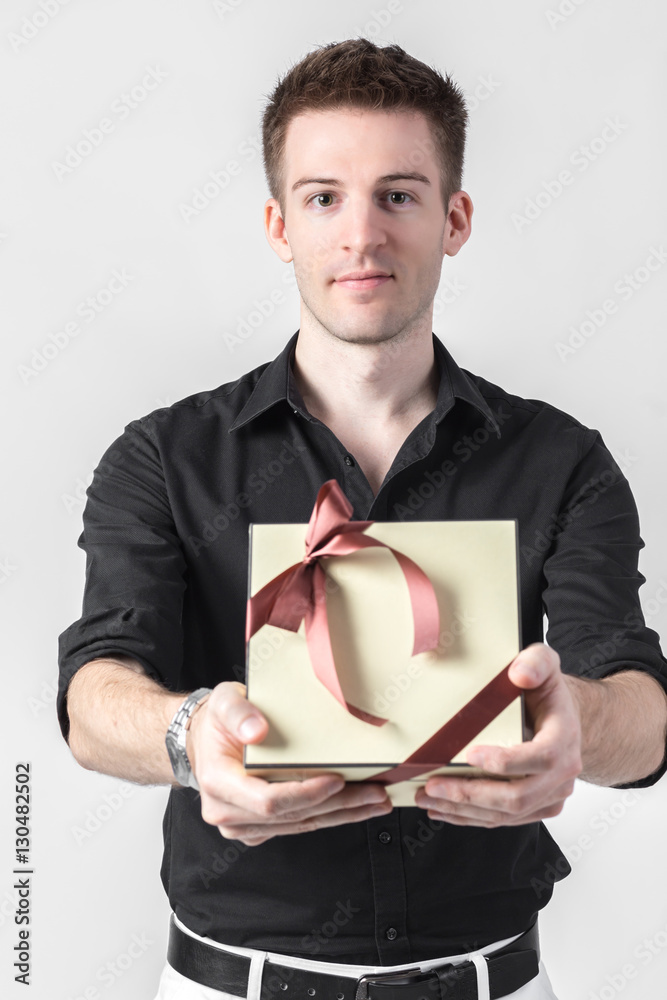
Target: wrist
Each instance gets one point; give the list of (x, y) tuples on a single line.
[(191, 729), (176, 737)]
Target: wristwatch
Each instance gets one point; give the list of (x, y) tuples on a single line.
[(175, 738)]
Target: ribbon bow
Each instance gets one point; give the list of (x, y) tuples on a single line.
[(300, 591)]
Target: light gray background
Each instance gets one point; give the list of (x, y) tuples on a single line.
[(546, 89)]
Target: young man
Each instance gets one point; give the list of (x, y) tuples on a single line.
[(363, 152)]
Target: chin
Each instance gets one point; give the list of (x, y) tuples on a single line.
[(363, 335)]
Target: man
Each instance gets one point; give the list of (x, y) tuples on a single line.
[(363, 150)]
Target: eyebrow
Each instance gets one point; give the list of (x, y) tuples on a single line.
[(385, 179)]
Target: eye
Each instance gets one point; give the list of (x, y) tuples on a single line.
[(398, 194), (395, 198), (324, 194)]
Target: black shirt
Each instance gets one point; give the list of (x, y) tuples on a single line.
[(166, 539)]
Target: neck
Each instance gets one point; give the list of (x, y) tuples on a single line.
[(378, 383)]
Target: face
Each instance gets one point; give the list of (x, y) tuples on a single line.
[(362, 196)]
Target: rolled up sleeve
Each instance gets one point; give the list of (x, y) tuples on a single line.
[(135, 569), (591, 598)]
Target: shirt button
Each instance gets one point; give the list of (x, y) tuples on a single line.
[(391, 933), (384, 837), (349, 460)]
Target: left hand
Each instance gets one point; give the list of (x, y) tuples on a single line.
[(550, 761)]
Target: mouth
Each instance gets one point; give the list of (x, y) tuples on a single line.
[(363, 280)]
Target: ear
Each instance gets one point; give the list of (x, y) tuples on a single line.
[(274, 227), (458, 225)]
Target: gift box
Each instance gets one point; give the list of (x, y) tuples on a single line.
[(379, 650)]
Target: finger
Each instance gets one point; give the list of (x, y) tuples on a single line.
[(477, 798), (490, 821), (227, 794), (555, 747), (221, 775), (254, 834), (233, 715), (535, 666), (289, 807)]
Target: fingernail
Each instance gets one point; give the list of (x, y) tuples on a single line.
[(527, 670), (250, 728)]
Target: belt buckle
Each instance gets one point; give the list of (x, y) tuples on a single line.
[(361, 991)]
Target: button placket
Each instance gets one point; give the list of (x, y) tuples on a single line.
[(389, 892)]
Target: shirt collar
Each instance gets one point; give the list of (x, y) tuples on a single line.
[(277, 384)]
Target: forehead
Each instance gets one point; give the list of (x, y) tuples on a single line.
[(340, 139)]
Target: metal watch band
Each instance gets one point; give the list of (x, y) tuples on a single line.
[(175, 738)]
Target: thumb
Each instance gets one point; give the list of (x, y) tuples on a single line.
[(535, 665), (252, 728), (242, 720)]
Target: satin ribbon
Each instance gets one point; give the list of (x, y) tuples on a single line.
[(300, 591), (456, 733)]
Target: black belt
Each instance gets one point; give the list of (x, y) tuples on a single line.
[(509, 968)]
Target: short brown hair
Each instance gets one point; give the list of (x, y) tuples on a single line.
[(359, 74)]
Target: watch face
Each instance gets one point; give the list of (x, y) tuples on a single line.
[(178, 765)]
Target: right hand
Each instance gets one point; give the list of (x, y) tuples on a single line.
[(251, 809)]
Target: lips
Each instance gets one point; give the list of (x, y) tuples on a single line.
[(363, 279), (363, 275)]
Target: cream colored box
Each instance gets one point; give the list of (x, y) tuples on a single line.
[(474, 571)]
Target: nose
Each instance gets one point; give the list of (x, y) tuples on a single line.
[(362, 226)]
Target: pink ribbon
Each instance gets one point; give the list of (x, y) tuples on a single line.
[(300, 591), (457, 732)]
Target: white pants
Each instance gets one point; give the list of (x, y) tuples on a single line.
[(173, 986)]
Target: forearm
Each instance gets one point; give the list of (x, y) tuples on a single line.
[(623, 726), (118, 720)]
